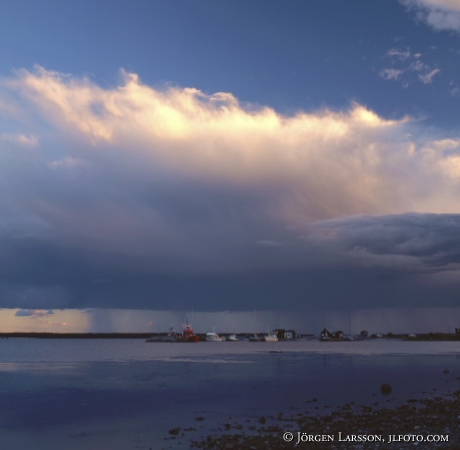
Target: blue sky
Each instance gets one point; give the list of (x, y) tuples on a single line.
[(300, 56), (229, 155)]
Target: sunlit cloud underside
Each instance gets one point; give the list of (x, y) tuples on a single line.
[(171, 180)]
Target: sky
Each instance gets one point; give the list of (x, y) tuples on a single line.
[(228, 156)]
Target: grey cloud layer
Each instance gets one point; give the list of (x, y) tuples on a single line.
[(139, 197), (413, 242)]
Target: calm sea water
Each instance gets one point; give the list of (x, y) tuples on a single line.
[(128, 394)]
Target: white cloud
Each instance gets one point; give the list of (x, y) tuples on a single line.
[(455, 91), (439, 14), (404, 65), (398, 53), (391, 74), (19, 139), (427, 78), (178, 179), (66, 163)]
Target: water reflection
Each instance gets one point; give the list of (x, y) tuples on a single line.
[(145, 384)]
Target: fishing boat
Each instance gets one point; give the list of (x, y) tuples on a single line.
[(170, 337), (271, 337), (254, 338), (213, 337), (188, 335)]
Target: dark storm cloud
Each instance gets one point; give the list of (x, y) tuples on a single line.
[(359, 262), (33, 313), (428, 242)]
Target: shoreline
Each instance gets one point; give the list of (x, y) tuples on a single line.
[(354, 427), (423, 337), (49, 335)]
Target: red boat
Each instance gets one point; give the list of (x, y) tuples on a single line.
[(188, 335)]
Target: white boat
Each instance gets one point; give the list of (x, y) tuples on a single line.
[(233, 338), (271, 337), (213, 337), (170, 337)]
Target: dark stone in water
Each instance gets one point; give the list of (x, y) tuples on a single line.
[(385, 389)]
